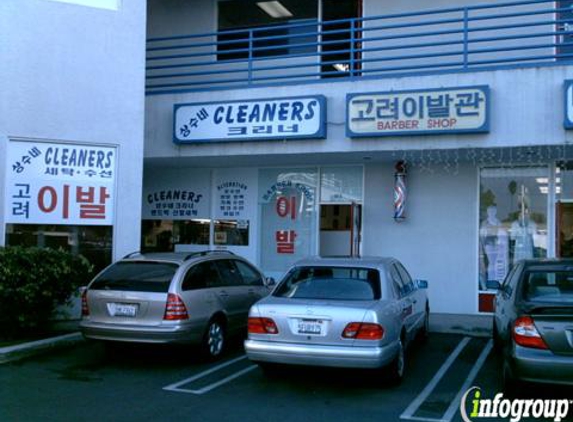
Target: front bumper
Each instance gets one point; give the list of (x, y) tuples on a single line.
[(319, 355), (542, 366), (180, 333)]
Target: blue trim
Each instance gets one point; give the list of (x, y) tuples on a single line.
[(484, 128), (319, 134), (567, 124)]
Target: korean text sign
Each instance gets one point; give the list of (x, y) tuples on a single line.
[(264, 119), (57, 183), (568, 124), (422, 112)]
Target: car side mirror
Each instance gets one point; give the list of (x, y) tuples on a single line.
[(270, 282), (493, 285), (422, 284)]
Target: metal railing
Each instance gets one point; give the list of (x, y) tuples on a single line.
[(520, 33)]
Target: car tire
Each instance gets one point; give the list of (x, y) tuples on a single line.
[(510, 385), (395, 371), (214, 339)]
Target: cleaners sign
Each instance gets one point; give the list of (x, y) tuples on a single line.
[(57, 183), (278, 118), (420, 112)]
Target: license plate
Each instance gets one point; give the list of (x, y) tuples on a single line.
[(122, 309), (310, 326)]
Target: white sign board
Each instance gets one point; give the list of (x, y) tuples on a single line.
[(418, 112), (60, 183), (278, 118)]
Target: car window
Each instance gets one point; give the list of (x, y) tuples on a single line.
[(196, 278), (397, 284), (332, 283), (548, 286), (136, 276), (200, 276), (406, 279), (229, 273), (249, 275)]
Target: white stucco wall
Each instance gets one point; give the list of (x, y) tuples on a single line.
[(438, 239), (76, 74)]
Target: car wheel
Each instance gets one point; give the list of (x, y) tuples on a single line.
[(397, 367), (511, 386), (425, 330), (497, 343), (214, 340)]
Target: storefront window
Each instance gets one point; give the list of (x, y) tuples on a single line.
[(288, 216), (341, 184), (93, 242), (513, 222), (163, 235), (232, 232)]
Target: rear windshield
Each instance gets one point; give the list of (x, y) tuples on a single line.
[(549, 286), (136, 276), (332, 283)]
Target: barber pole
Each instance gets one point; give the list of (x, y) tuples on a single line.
[(399, 191)]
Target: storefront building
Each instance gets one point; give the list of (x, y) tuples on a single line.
[(71, 125), (438, 136)]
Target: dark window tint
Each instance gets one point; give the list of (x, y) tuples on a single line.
[(548, 286), (249, 275), (406, 279), (397, 284), (201, 276), (331, 283), (229, 273), (136, 276)]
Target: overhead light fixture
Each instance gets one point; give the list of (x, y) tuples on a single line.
[(275, 9)]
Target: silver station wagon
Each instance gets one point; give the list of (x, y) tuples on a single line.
[(341, 312), (172, 298)]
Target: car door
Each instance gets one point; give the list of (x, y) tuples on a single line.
[(233, 293), (418, 296), (405, 300)]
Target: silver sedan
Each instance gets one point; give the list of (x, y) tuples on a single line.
[(340, 312)]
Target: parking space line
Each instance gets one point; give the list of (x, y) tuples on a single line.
[(413, 407), (455, 404), (175, 387)]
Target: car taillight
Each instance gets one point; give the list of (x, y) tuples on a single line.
[(363, 331), (262, 326), (525, 333), (85, 308), (175, 308)]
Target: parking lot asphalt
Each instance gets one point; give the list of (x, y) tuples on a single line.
[(89, 382)]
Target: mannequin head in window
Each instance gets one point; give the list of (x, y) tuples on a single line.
[(492, 215)]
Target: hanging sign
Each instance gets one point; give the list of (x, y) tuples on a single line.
[(418, 112), (265, 119)]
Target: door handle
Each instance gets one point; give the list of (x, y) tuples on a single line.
[(223, 293)]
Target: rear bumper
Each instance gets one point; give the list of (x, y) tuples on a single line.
[(316, 355), (181, 333), (542, 366)]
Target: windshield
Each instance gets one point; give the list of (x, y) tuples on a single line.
[(549, 286), (332, 283), (136, 276)]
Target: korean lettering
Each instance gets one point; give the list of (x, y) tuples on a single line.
[(387, 108), (468, 104), (22, 204), (87, 200), (438, 105), (365, 108), (18, 166), (285, 241)]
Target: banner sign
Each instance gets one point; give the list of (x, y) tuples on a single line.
[(418, 112), (568, 104), (60, 183), (250, 120)]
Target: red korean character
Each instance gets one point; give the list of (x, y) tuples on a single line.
[(87, 200), (285, 241), (48, 200)]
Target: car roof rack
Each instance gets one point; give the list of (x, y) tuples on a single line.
[(207, 252)]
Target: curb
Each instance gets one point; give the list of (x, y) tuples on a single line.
[(24, 350)]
